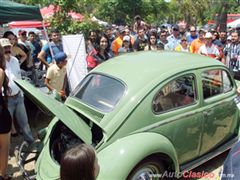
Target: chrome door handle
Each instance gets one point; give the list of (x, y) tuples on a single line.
[(207, 113)]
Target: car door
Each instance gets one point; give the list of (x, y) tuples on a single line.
[(176, 105), (219, 109)]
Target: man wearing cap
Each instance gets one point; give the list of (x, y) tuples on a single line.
[(117, 43), (56, 74), (209, 49), (197, 43), (127, 46), (174, 39), (51, 48), (15, 99)]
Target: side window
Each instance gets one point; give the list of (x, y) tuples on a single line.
[(177, 93), (215, 82)]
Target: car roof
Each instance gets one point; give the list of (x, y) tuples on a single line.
[(142, 67)]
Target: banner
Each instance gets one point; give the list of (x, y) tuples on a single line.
[(74, 47)]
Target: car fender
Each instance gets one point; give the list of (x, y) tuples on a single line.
[(119, 158)]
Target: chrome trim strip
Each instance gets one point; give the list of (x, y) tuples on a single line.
[(211, 155)]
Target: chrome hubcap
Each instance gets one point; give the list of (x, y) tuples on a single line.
[(146, 173)]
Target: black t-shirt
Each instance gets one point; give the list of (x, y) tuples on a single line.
[(140, 44), (27, 51)]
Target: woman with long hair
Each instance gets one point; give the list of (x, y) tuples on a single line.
[(152, 42), (5, 119), (79, 163), (100, 54)]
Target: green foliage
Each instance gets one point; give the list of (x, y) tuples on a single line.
[(193, 12), (155, 11), (196, 12), (69, 26), (120, 12)]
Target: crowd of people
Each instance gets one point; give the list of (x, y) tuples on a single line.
[(25, 52), (223, 46)]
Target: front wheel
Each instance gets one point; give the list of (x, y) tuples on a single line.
[(147, 169)]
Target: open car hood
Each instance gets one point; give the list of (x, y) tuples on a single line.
[(50, 105)]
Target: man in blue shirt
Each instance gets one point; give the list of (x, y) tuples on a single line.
[(193, 35), (45, 56)]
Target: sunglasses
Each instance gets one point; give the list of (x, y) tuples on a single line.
[(7, 52), (175, 30), (192, 31)]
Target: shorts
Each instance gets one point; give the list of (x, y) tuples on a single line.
[(5, 120)]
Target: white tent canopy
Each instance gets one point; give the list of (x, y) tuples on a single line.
[(234, 23)]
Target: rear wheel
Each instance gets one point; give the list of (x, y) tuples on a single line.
[(147, 169)]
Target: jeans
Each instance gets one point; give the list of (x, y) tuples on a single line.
[(16, 106)]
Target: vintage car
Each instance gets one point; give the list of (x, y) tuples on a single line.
[(145, 114)]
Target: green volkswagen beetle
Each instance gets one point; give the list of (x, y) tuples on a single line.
[(145, 113)]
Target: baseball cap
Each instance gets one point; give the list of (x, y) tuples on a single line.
[(229, 38), (5, 42), (208, 35), (126, 38), (212, 30), (61, 56), (22, 32), (121, 29), (175, 26), (202, 30)]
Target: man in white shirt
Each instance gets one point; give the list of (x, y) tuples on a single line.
[(209, 49), (15, 99), (174, 39)]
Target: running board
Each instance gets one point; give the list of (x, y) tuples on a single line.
[(203, 159)]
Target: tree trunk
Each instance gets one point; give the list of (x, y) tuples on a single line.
[(223, 18)]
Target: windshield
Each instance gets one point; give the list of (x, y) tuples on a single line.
[(100, 91)]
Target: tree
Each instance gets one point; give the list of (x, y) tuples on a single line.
[(155, 11), (193, 12), (224, 8), (123, 12), (65, 23), (197, 12), (119, 12)]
